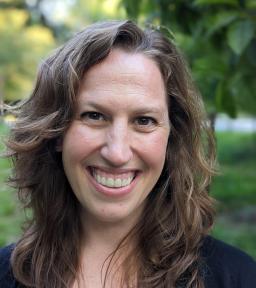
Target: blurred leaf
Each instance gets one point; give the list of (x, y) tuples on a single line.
[(251, 3), (251, 52), (38, 34), (12, 3), (15, 18), (209, 2), (242, 85), (85, 12), (220, 20), (239, 35), (132, 7)]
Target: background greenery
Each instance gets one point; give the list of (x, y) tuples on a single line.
[(218, 38)]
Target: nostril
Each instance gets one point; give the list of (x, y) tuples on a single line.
[(116, 155)]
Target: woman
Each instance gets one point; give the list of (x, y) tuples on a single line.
[(109, 156)]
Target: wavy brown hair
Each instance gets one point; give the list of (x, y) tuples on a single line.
[(179, 211)]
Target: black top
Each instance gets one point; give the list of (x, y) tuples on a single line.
[(224, 266)]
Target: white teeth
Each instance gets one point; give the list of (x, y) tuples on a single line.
[(110, 182), (118, 183), (126, 182)]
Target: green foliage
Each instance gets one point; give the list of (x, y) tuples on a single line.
[(240, 35), (235, 186), (132, 7), (13, 3), (235, 190), (220, 20), (225, 101), (85, 12), (215, 2), (10, 216), (219, 37), (20, 50)]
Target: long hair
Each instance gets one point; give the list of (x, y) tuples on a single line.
[(178, 212)]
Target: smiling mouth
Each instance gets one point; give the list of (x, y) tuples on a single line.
[(112, 180)]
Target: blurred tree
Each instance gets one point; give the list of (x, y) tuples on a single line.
[(29, 28), (64, 16), (86, 12), (40, 12), (219, 38), (20, 50)]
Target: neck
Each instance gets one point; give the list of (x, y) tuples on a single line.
[(100, 240), (105, 236)]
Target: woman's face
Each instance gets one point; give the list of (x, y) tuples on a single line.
[(114, 150)]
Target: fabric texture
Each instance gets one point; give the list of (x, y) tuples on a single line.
[(223, 266), (6, 277), (226, 266)]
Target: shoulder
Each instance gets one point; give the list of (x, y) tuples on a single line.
[(226, 266), (6, 278)]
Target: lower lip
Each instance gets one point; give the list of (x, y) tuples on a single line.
[(113, 192)]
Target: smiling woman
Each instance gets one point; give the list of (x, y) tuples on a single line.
[(114, 151), (109, 152)]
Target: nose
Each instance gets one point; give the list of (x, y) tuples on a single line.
[(116, 149)]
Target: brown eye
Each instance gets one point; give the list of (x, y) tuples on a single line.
[(145, 121), (92, 116)]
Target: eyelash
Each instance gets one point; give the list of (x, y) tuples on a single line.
[(90, 115), (97, 116), (152, 120)]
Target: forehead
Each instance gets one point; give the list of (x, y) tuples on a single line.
[(124, 75)]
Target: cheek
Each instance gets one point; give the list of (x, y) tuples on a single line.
[(154, 150), (78, 143)]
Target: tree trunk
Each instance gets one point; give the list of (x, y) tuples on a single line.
[(212, 118)]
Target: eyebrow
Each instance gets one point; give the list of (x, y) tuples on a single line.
[(139, 110)]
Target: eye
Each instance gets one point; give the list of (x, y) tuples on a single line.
[(145, 122), (92, 116)]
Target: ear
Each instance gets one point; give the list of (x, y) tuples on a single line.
[(58, 144)]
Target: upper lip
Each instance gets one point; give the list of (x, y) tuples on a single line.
[(113, 170)]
